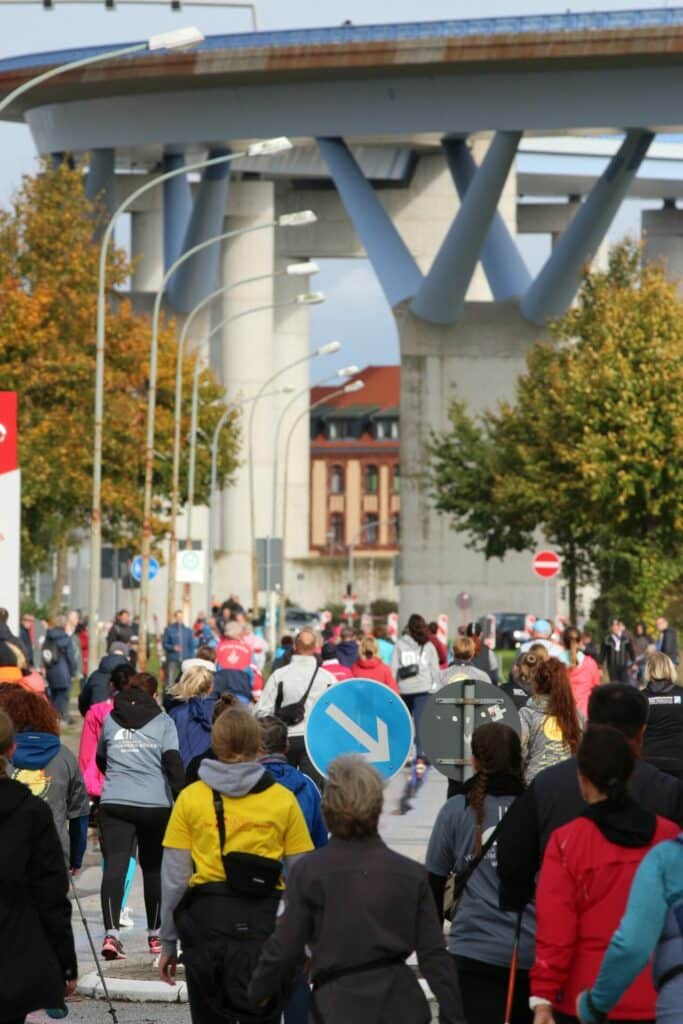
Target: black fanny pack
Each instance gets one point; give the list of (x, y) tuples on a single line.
[(247, 874)]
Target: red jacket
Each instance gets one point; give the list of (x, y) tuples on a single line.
[(441, 650), (373, 668), (336, 669), (581, 897), (233, 654)]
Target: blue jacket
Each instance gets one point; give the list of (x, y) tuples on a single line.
[(193, 721), (61, 672), (181, 636), (233, 680), (306, 792)]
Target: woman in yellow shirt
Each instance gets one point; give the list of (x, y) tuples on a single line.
[(224, 849)]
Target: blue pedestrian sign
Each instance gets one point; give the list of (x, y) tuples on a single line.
[(136, 568), (360, 716)]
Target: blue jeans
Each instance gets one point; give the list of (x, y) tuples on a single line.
[(416, 702), (296, 1010)]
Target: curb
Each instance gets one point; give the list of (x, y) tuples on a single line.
[(132, 991)]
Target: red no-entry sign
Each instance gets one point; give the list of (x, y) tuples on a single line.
[(546, 564)]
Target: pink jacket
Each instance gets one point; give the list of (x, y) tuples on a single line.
[(92, 727), (583, 679)]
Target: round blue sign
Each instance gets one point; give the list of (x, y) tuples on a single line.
[(136, 568), (360, 716)]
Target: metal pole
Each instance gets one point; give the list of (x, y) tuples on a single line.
[(187, 588), (96, 515)]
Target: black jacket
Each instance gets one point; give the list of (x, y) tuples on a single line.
[(26, 645), (36, 940), (97, 687), (663, 741), (668, 643), (616, 659), (357, 902), (120, 631), (60, 673), (554, 799)]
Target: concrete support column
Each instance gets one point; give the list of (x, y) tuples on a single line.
[(557, 283), (503, 264), (147, 250), (246, 362), (663, 235), (546, 218), (177, 199), (100, 185), (197, 276), (391, 260), (442, 294), (291, 341)]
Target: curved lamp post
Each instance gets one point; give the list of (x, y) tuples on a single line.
[(263, 148), (323, 350), (294, 269)]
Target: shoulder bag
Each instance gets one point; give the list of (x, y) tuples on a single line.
[(294, 713)]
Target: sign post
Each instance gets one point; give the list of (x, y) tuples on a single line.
[(136, 568), (547, 565), (10, 508), (360, 716)]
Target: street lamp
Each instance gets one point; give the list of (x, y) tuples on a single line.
[(346, 371), (264, 148), (214, 476), (354, 542), (179, 39), (323, 350), (348, 389), (293, 270)]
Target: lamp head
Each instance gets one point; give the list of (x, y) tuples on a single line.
[(295, 220), (355, 385), (310, 299), (328, 349), (348, 371), (302, 269), (269, 147), (177, 39), (287, 390)]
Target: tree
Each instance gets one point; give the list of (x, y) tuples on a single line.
[(590, 453), (48, 302)]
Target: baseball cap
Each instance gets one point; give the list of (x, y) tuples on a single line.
[(542, 627)]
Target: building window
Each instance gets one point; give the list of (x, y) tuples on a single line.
[(386, 430), (337, 480), (396, 480), (371, 480), (371, 528), (336, 534), (337, 430), (396, 530)]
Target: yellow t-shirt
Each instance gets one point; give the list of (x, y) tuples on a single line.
[(269, 824)]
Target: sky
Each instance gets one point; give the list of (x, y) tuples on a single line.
[(355, 311)]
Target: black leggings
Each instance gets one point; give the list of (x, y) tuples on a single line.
[(297, 756), (484, 992), (120, 826)]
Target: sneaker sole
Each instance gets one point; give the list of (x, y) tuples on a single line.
[(112, 954)]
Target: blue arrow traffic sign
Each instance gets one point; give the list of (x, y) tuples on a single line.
[(360, 716), (136, 568)]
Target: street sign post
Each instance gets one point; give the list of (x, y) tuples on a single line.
[(189, 566), (363, 717), (136, 568), (546, 564), (453, 713)]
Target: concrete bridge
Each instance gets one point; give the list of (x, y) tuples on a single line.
[(407, 142)]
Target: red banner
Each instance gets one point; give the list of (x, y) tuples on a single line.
[(8, 431)]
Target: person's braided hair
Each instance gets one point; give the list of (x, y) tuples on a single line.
[(498, 750)]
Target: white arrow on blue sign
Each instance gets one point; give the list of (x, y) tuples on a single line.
[(360, 716), (136, 568)]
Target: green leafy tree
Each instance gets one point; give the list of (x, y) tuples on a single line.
[(48, 303), (589, 455)]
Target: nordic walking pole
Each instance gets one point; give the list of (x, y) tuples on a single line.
[(513, 970), (111, 1009)]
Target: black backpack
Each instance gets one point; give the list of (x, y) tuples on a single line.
[(50, 652)]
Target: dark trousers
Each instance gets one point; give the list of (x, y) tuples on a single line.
[(60, 701), (416, 702), (484, 992), (564, 1018), (172, 671), (120, 826), (296, 1010), (297, 755)]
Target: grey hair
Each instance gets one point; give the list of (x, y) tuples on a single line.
[(660, 666), (353, 797)]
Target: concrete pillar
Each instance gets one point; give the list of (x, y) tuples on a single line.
[(147, 250), (247, 360), (546, 218), (291, 341), (442, 293), (557, 283), (663, 236), (177, 203), (476, 360), (100, 185), (503, 265), (196, 277)]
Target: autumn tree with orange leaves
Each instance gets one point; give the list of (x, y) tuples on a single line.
[(48, 304)]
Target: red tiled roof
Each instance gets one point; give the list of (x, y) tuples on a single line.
[(382, 389)]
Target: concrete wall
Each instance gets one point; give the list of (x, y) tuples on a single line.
[(313, 583)]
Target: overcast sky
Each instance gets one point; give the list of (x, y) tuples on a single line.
[(355, 311)]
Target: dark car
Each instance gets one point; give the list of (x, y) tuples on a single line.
[(510, 629)]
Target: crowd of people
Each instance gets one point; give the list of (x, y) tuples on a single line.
[(558, 862)]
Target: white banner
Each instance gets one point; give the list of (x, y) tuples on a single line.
[(10, 544), (190, 566)]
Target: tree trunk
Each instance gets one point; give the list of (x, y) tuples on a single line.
[(55, 602)]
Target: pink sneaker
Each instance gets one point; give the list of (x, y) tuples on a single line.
[(112, 949), (154, 943)]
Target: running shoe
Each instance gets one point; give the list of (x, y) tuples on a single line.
[(154, 943), (112, 949), (126, 918)]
